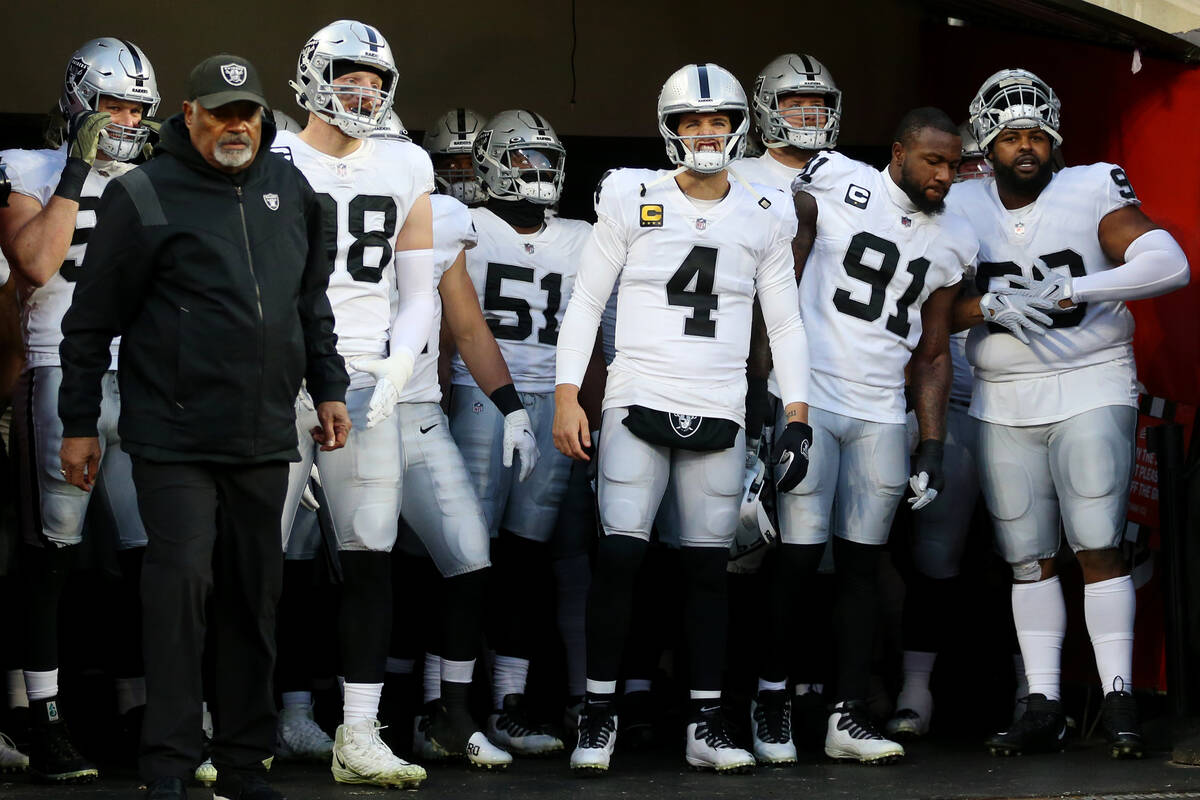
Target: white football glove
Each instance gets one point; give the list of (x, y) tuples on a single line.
[(1053, 288), (391, 374), (753, 448), (1017, 312), (518, 437), (308, 499)]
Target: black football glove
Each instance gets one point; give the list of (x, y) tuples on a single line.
[(927, 478), (791, 453)]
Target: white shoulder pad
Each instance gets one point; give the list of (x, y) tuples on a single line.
[(825, 171)]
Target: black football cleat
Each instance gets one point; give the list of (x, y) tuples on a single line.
[(1041, 729), (1118, 717)]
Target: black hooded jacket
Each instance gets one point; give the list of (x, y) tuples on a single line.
[(216, 284)]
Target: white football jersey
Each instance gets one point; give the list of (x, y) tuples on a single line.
[(453, 232), (875, 261), (687, 289), (35, 173), (766, 171), (369, 193), (1024, 383), (523, 282)]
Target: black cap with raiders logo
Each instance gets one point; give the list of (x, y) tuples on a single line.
[(222, 79)]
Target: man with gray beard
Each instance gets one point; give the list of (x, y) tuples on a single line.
[(209, 262)]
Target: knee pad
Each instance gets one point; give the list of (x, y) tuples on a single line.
[(1027, 571)]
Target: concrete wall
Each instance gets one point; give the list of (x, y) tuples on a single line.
[(499, 54)]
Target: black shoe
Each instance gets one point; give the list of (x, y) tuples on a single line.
[(52, 756), (1042, 728), (451, 725), (1119, 718), (234, 785), (166, 789), (129, 735), (637, 721), (810, 718)]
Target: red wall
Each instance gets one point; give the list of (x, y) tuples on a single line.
[(1149, 123)]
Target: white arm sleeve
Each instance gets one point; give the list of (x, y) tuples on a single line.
[(1154, 264), (603, 258), (414, 312), (780, 302)]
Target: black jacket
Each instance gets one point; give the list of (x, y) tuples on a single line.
[(216, 284)]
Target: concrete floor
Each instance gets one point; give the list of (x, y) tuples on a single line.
[(933, 771)]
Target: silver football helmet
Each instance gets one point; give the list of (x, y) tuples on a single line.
[(1014, 98), (393, 129), (755, 530), (450, 135), (702, 89), (357, 110), (112, 68), (285, 121), (809, 127), (974, 164), (518, 156)]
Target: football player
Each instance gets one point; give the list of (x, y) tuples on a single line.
[(523, 269), (450, 141), (375, 194), (939, 531), (109, 93), (797, 109), (692, 248), (1058, 411), (883, 264)]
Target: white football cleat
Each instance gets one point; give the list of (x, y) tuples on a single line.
[(512, 729), (709, 745), (482, 753), (771, 724), (360, 756), (597, 738), (851, 736), (299, 738), (907, 723), (11, 759)]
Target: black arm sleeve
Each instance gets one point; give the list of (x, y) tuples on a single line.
[(325, 372), (112, 282)]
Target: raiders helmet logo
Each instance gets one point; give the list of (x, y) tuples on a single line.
[(234, 74), (684, 424), (75, 71), (272, 201)]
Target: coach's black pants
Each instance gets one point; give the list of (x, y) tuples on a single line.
[(213, 530)]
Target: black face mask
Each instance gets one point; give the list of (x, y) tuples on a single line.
[(518, 213)]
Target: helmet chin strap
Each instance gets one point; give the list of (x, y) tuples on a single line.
[(662, 179)]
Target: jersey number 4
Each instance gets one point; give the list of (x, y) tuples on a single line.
[(701, 264), (878, 279), (382, 238), (493, 300)]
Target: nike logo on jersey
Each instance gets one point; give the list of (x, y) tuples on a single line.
[(431, 427)]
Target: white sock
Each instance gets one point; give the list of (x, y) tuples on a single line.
[(296, 699), (915, 694), (601, 687), (361, 702), (131, 693), (637, 685), (1019, 671), (399, 666), (1109, 607), (15, 682), (705, 694), (431, 681), (1040, 616), (809, 688), (458, 671), (771, 686), (41, 685), (206, 721), (508, 677)]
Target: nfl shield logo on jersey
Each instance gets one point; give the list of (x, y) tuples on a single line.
[(701, 224), (477, 408), (529, 248), (342, 170), (272, 201), (234, 74), (906, 222), (684, 424)]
